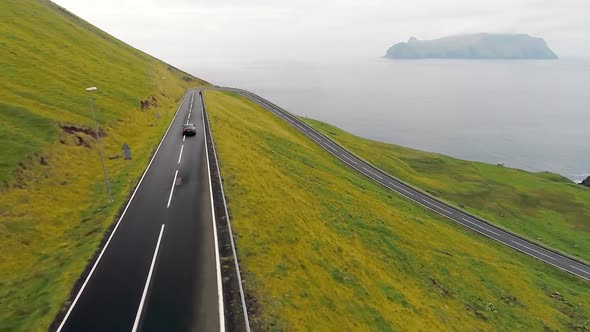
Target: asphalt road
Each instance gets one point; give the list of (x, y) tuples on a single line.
[(467, 220), (159, 270)]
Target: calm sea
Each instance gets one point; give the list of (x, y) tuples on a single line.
[(533, 115)]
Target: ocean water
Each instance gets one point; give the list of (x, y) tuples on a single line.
[(533, 115)]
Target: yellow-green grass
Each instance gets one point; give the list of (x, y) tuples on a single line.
[(323, 248), (53, 206), (545, 207)]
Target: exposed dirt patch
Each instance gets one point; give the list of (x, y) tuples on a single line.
[(508, 299), (71, 129), (557, 296), (441, 289), (79, 136), (472, 308), (75, 139), (444, 252), (577, 318), (148, 103), (22, 165)]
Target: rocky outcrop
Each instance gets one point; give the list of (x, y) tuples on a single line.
[(148, 103), (475, 46), (586, 182)]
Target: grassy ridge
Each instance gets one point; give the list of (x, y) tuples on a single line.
[(48, 57), (53, 208), (22, 133), (543, 206), (323, 248)]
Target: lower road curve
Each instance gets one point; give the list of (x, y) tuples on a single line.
[(462, 218)]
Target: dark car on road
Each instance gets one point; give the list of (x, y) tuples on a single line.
[(189, 129)]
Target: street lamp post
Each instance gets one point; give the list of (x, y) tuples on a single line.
[(100, 153)]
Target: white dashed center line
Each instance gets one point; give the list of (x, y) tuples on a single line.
[(180, 156), (577, 268), (172, 189), (437, 206), (531, 249), (345, 157), (443, 209), (315, 136), (330, 147), (147, 283), (479, 226), (402, 189), (373, 173)]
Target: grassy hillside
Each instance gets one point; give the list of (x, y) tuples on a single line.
[(541, 206), (323, 248), (53, 207)]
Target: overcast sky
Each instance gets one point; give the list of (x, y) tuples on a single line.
[(176, 30)]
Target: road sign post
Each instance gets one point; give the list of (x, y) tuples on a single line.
[(126, 152)]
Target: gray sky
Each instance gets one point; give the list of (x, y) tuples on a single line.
[(175, 30)]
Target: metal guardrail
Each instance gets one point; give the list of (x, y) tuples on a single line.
[(231, 237)]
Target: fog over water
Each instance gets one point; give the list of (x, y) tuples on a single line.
[(533, 115), (528, 114)]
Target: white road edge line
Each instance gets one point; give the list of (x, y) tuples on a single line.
[(172, 189), (532, 249), (183, 137), (63, 322), (147, 282), (217, 263), (231, 237), (180, 156)]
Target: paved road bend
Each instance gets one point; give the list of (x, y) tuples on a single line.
[(464, 219)]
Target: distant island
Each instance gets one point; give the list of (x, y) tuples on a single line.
[(474, 46)]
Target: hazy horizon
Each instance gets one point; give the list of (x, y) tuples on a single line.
[(529, 114), (178, 30)]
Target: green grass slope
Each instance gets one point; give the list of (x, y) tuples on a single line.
[(544, 207), (53, 208), (322, 248)]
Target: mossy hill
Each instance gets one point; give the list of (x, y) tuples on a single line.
[(474, 46), (53, 207)]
